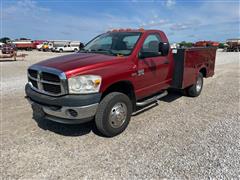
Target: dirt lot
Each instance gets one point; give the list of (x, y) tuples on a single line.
[(181, 137)]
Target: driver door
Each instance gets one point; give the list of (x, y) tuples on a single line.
[(153, 67)]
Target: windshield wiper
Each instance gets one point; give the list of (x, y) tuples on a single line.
[(83, 51), (111, 52), (102, 51), (106, 51)]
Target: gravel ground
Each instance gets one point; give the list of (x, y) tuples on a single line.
[(179, 138)]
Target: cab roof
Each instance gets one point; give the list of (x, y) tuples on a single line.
[(134, 30)]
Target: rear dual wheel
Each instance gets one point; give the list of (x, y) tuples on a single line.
[(196, 89), (113, 114)]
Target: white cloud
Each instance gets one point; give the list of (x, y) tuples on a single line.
[(170, 3), (206, 19), (189, 24), (24, 9), (38, 22), (179, 26)]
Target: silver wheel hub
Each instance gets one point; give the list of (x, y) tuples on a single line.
[(118, 115), (199, 84)]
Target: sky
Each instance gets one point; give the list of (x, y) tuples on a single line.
[(189, 20)]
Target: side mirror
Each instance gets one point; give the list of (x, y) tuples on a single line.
[(141, 55), (81, 46), (164, 48)]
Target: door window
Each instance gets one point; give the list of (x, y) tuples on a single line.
[(150, 46)]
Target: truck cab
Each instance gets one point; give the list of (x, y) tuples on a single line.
[(115, 73)]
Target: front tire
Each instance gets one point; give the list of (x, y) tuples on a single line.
[(196, 89), (113, 114)]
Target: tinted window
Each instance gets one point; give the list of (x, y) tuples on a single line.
[(113, 43), (101, 43), (130, 41), (151, 43)]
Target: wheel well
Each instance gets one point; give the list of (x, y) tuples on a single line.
[(124, 87), (203, 71)]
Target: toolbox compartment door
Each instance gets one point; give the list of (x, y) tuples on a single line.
[(188, 62)]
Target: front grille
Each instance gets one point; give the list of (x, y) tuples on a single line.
[(50, 77), (33, 82), (56, 89), (32, 73), (47, 80)]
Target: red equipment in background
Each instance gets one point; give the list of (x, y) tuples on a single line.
[(206, 44), (24, 45)]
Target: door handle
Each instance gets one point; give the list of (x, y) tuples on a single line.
[(166, 62)]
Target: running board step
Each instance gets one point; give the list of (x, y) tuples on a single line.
[(152, 99)]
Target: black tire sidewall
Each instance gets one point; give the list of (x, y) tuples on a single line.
[(192, 90), (105, 109)]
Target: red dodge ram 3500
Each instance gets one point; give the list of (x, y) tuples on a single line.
[(114, 74)]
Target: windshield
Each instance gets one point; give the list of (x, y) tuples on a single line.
[(114, 43)]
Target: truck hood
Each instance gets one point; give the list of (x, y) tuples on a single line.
[(78, 61)]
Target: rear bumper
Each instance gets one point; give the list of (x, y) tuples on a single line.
[(68, 109)]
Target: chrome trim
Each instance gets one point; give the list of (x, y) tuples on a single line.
[(83, 111), (39, 83), (152, 99), (140, 72), (199, 84), (118, 115), (35, 79), (39, 80), (43, 81)]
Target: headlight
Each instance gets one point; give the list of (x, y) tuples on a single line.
[(84, 84)]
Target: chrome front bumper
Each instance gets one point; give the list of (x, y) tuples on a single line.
[(63, 114)]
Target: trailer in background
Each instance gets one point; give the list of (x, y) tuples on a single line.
[(8, 48), (232, 45), (12, 56), (24, 45), (74, 43), (206, 44), (1, 45)]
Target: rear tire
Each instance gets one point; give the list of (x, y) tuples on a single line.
[(60, 50), (113, 114), (196, 89)]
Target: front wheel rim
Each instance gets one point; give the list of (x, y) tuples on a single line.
[(118, 115), (199, 84)]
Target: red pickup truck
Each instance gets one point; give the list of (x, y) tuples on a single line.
[(113, 75)]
